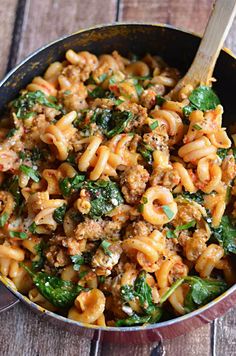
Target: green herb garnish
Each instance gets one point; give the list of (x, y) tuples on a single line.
[(169, 213), (160, 100), (105, 246), (3, 219), (59, 214), (32, 228), (11, 132), (26, 102), (21, 235), (197, 127), (77, 260), (154, 125), (30, 172), (146, 151), (69, 185)]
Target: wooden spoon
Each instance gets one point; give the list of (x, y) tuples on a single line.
[(218, 26)]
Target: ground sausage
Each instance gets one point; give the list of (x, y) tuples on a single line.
[(133, 182)]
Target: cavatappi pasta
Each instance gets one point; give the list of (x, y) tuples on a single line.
[(117, 205)]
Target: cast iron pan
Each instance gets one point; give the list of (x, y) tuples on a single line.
[(178, 49)]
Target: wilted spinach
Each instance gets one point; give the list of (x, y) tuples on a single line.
[(104, 197), (111, 122), (69, 185), (143, 292), (202, 98), (225, 234), (26, 102), (57, 291)]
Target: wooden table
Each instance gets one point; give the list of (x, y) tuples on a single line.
[(28, 24)]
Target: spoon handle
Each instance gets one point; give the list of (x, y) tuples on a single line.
[(215, 33)]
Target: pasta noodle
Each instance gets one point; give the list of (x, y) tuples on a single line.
[(117, 203)]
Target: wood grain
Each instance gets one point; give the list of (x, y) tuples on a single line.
[(224, 341), (190, 15), (24, 333), (7, 18), (57, 18)]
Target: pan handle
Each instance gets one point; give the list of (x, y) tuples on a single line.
[(7, 299)]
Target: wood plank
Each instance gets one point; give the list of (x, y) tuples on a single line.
[(191, 15), (131, 350), (26, 334), (7, 19), (60, 18), (225, 335), (198, 342)]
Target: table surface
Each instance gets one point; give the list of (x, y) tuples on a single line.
[(27, 25)]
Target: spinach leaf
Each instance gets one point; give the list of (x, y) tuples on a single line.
[(133, 320), (146, 151), (69, 185), (127, 293), (138, 88), (202, 98), (98, 92), (111, 122), (77, 260), (13, 187), (225, 234), (143, 292), (38, 263), (57, 291), (160, 100), (11, 132), (202, 291), (104, 197), (38, 154), (26, 102), (3, 219), (197, 197), (59, 214)]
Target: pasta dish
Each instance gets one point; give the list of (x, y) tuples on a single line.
[(116, 201)]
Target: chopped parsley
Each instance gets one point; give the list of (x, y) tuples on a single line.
[(21, 235), (26, 102), (30, 172), (154, 125), (77, 260), (3, 219), (169, 213), (69, 185), (105, 246)]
